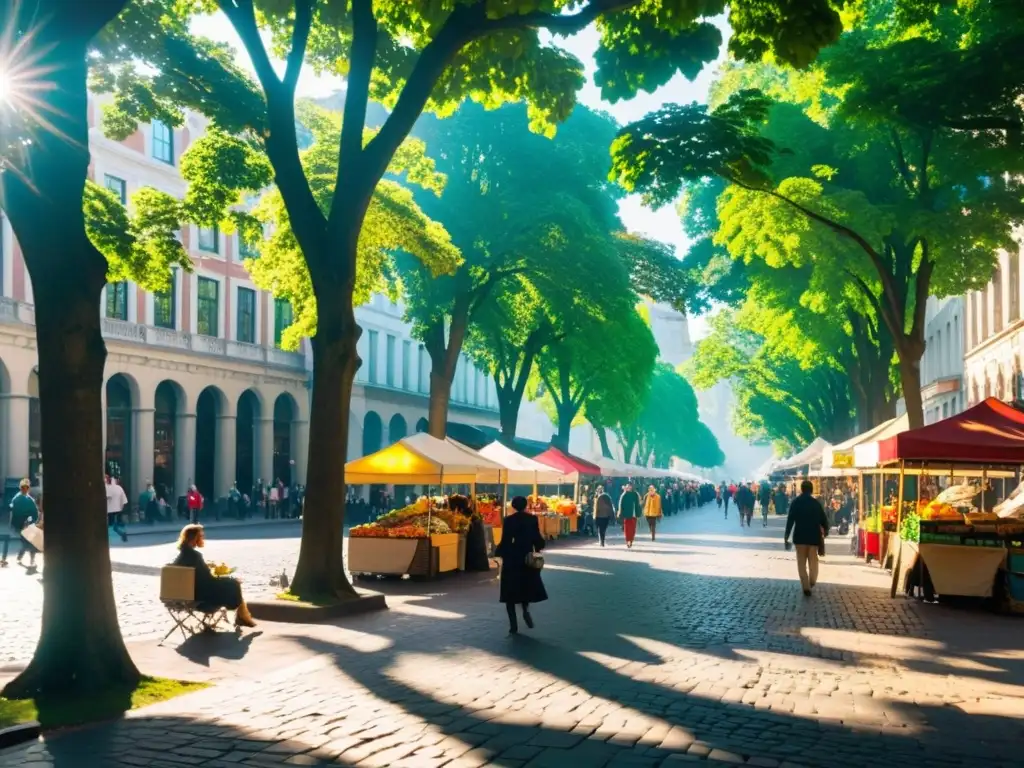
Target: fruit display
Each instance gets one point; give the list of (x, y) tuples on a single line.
[(547, 504), (412, 522), (936, 510), (910, 527), (489, 508), (221, 569), (888, 513)]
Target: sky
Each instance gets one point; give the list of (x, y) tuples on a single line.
[(662, 224)]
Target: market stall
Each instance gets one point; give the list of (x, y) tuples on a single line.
[(576, 471), (520, 471), (951, 476), (424, 538), (800, 463)]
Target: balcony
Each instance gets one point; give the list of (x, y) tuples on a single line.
[(16, 312), (181, 341)]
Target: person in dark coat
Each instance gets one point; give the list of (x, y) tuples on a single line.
[(519, 582), (476, 537), (216, 591), (809, 525)]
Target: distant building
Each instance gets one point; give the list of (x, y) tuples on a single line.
[(942, 368)]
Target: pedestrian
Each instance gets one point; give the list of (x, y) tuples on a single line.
[(117, 500), (520, 565), (629, 510), (23, 512), (727, 493), (195, 504), (274, 499), (146, 503), (781, 501), (745, 503), (652, 509), (766, 500), (809, 526), (235, 501), (604, 511), (719, 493)]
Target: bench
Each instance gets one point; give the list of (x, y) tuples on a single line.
[(178, 595)]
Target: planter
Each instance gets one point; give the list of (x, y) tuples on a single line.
[(293, 612), (392, 557)]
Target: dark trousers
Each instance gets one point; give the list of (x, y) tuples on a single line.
[(25, 548), (602, 527), (193, 515), (511, 608)]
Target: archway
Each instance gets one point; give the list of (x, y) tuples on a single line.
[(397, 429), (284, 414), (373, 432), (246, 424), (422, 425), (167, 400), (209, 408), (119, 431)]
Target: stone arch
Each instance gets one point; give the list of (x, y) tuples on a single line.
[(397, 428), (169, 403), (211, 404), (422, 425), (249, 412), (122, 400), (286, 411), (373, 433)]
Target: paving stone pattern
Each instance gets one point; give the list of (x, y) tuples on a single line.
[(698, 648)]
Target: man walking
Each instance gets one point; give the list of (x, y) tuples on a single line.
[(808, 524), (745, 503), (604, 511), (766, 501), (117, 500), (727, 494), (629, 511)]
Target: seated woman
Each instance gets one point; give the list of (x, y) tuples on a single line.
[(216, 591)]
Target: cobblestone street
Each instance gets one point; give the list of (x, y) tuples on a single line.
[(697, 647)]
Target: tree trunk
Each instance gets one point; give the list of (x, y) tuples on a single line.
[(321, 570), (80, 649), (910, 378), (602, 435), (565, 417), (437, 409), (508, 412)]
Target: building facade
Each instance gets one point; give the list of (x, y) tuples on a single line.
[(994, 335), (942, 368)]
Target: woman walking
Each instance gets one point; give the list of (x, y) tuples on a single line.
[(604, 511), (520, 567), (630, 507), (652, 509)]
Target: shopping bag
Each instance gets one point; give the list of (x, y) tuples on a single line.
[(33, 534)]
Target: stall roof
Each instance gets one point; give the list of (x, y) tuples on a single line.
[(423, 460), (806, 456), (521, 469), (865, 455), (841, 455), (613, 468), (991, 432), (566, 462)]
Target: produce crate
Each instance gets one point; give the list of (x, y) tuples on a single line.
[(451, 551), (872, 544), (392, 557), (574, 523)]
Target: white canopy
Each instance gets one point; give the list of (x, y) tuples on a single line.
[(521, 469), (805, 457), (843, 455), (423, 460), (865, 454), (765, 469)]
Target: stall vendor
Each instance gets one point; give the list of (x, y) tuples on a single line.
[(476, 538)]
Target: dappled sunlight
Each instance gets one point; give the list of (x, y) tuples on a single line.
[(575, 569), (363, 642)]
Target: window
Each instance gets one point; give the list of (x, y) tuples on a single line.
[(997, 301), (406, 355), (117, 186), (282, 318), (163, 142), (117, 300), (945, 410), (1013, 278), (246, 318), (246, 249), (389, 361), (164, 305), (371, 358), (208, 311), (209, 239)]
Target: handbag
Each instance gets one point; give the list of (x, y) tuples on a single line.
[(33, 534), (535, 561)]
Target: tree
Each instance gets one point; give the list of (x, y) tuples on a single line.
[(894, 213), (409, 56), (510, 220), (45, 156)]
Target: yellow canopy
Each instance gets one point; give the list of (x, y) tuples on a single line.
[(422, 460)]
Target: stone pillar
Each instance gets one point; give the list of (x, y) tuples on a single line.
[(265, 451), (300, 450), (103, 409), (142, 442), (227, 446), (16, 435), (184, 453)]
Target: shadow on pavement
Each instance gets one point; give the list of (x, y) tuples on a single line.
[(204, 646)]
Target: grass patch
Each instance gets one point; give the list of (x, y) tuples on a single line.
[(317, 601), (63, 712)]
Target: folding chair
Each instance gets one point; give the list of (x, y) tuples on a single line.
[(178, 595)]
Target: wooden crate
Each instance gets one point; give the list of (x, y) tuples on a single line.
[(451, 551), (574, 523)]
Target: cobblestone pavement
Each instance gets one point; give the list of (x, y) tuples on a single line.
[(697, 647)]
